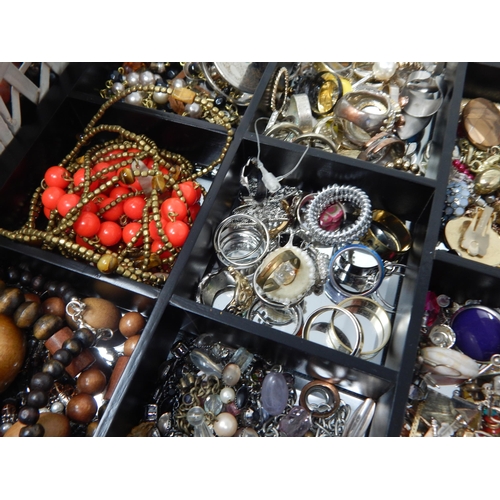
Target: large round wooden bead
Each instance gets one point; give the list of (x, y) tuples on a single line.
[(98, 313), (55, 425), (12, 351), (91, 381), (131, 323), (81, 408)]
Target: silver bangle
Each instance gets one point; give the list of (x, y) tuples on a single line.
[(241, 241), (359, 276), (376, 315), (358, 330), (327, 197), (225, 280)]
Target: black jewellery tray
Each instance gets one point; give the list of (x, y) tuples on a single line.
[(173, 310)]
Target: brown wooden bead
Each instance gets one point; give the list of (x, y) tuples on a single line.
[(31, 297), (55, 306), (131, 323), (130, 345), (91, 381), (81, 362), (55, 425), (91, 429), (99, 313), (27, 313), (120, 365), (46, 325), (81, 408), (12, 351)]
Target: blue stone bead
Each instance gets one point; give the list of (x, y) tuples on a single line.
[(274, 393), (477, 330)]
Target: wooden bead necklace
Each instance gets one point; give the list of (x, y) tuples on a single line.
[(132, 161)]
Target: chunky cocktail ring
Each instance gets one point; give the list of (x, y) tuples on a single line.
[(388, 236), (226, 280), (364, 113), (346, 233), (358, 330), (285, 277), (364, 307), (299, 111), (320, 398), (355, 270), (241, 241)]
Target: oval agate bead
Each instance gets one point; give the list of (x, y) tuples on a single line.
[(274, 393)]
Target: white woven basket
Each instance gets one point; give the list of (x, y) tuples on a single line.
[(20, 84)]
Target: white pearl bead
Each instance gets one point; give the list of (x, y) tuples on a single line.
[(134, 98), (194, 110), (160, 67), (178, 83), (160, 97), (225, 425), (231, 374), (146, 77), (384, 71), (132, 78), (227, 395), (117, 88)]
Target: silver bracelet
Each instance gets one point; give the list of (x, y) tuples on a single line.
[(329, 196)]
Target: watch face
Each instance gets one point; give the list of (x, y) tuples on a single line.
[(244, 76)]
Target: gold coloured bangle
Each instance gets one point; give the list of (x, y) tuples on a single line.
[(358, 330), (375, 314), (388, 236)]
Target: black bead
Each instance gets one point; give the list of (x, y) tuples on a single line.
[(68, 295), (171, 74), (220, 101), (12, 275), (101, 410), (52, 287), (115, 76), (73, 346), (25, 278), (85, 336), (35, 430), (28, 415), (54, 368), (63, 356), (37, 399), (41, 382), (38, 283)]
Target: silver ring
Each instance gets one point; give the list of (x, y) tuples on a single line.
[(289, 320), (225, 280), (329, 196), (299, 110), (351, 276), (241, 241)]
